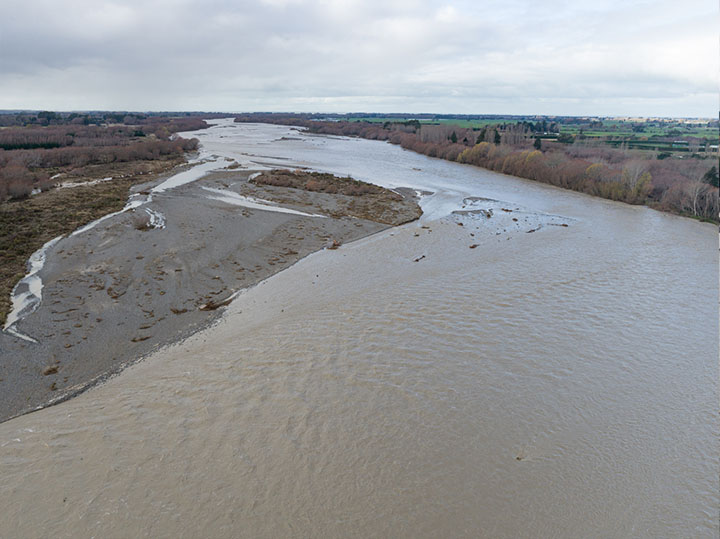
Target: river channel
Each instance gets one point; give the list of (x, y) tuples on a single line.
[(461, 376)]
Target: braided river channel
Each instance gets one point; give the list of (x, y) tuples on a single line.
[(523, 361)]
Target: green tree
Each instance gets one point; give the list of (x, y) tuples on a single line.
[(453, 137), (537, 144), (497, 138)]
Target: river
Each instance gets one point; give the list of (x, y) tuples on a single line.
[(561, 383)]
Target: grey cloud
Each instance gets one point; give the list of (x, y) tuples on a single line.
[(559, 56)]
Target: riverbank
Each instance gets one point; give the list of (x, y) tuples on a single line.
[(148, 277), (27, 224)]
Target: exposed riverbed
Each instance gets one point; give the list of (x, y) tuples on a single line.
[(155, 271), (522, 362)]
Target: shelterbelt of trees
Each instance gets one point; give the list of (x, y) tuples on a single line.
[(686, 185), (36, 147)]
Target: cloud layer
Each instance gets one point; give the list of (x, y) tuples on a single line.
[(507, 57)]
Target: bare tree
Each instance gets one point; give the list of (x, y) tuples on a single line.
[(633, 173), (696, 191)]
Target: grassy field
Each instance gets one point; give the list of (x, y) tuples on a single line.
[(609, 128)]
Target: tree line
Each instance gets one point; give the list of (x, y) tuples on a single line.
[(30, 154)]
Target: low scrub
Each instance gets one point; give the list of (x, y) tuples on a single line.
[(31, 154), (321, 183)]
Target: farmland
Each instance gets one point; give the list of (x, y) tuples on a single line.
[(670, 135)]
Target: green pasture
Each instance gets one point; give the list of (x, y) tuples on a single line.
[(611, 129)]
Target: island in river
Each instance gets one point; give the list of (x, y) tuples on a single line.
[(120, 287)]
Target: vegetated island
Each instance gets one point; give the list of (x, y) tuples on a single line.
[(118, 291), (668, 165)]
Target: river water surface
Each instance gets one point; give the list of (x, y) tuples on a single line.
[(561, 383)]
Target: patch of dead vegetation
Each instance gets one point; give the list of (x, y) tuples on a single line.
[(353, 198), (321, 183)]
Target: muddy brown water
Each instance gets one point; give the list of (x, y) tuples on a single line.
[(555, 384)]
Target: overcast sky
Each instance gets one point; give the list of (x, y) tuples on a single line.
[(574, 57)]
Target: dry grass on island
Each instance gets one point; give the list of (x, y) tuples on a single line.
[(351, 198)]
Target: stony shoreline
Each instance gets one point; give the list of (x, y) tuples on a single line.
[(126, 287)]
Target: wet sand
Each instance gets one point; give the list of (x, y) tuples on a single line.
[(149, 277)]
